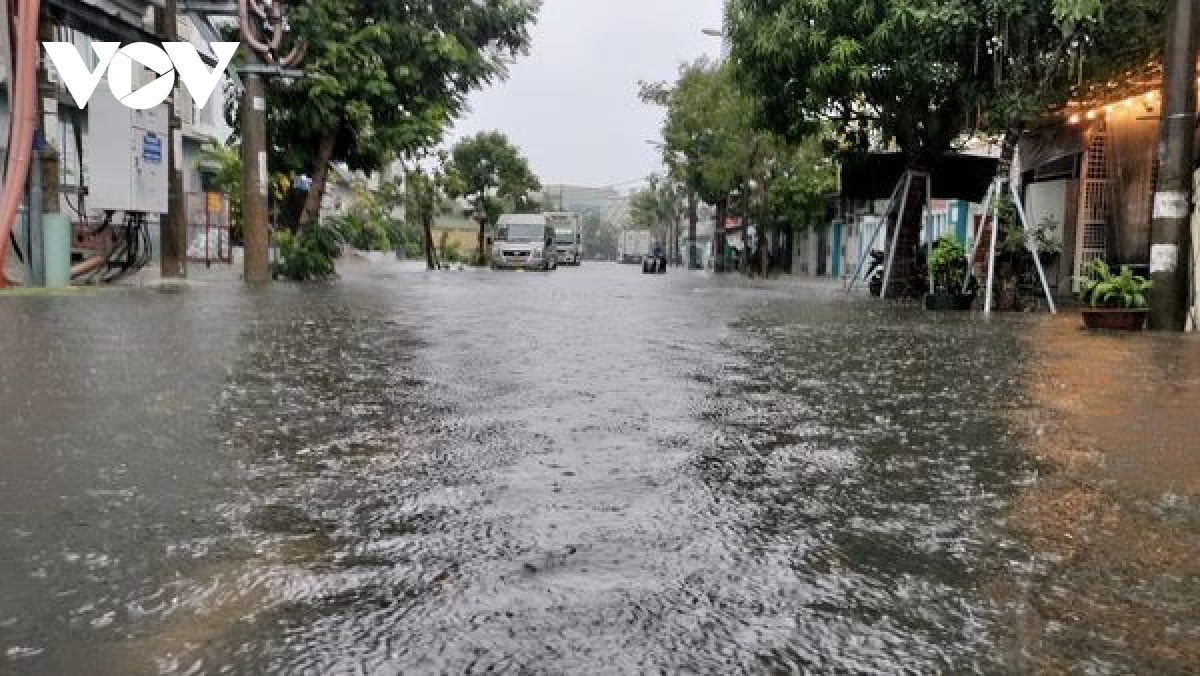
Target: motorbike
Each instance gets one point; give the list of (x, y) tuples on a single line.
[(874, 273), (875, 269), (654, 265)]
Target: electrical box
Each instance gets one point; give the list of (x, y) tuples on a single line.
[(125, 155)]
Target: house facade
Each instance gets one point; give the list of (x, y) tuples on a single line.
[(66, 129)]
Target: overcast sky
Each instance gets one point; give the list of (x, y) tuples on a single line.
[(571, 105)]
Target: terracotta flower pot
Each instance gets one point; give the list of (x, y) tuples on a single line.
[(1115, 319)]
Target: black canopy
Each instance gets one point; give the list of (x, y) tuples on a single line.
[(875, 175)]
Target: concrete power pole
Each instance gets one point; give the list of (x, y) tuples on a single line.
[(173, 233), (255, 228), (262, 28), (1170, 249)]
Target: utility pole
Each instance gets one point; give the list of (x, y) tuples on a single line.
[(1170, 250), (255, 231), (42, 182), (262, 27), (173, 232)]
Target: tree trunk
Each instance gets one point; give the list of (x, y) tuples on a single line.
[(482, 258), (764, 246), (719, 236), (312, 205), (693, 259), (764, 260), (431, 257), (906, 279)]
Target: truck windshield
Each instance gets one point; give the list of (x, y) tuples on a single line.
[(564, 236), (520, 232)]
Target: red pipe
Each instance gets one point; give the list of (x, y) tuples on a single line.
[(23, 96)]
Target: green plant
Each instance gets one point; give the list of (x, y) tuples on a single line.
[(947, 264), (308, 255), (1012, 234), (1101, 288), (451, 251)]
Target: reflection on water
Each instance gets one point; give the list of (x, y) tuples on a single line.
[(598, 472), (1115, 521)]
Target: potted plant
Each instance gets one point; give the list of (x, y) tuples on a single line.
[(947, 263), (1014, 262), (1117, 301)]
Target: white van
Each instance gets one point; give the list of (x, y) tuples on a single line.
[(524, 241)]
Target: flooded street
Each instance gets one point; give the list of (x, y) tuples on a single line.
[(587, 471)]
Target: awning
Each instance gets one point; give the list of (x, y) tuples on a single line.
[(873, 176), (1049, 144)]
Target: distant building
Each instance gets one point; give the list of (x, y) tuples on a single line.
[(577, 198)]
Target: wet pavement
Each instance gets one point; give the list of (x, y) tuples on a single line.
[(589, 471)]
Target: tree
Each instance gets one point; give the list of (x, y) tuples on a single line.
[(385, 79), (425, 194), (713, 148), (656, 208), (922, 74), (489, 171), (599, 236), (710, 145), (371, 223), (228, 179)]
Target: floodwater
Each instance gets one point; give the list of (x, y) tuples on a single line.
[(589, 471)]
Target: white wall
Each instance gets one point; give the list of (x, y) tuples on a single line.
[(1047, 200)]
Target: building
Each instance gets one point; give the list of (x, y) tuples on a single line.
[(836, 244), (68, 135), (581, 199)]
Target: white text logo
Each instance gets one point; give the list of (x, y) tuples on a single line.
[(118, 62)]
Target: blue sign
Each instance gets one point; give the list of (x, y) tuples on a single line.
[(152, 149)]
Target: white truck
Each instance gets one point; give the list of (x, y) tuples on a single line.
[(634, 245), (524, 242), (568, 236)]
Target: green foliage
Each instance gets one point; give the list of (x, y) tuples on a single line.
[(802, 177), (921, 73), (1101, 288), (450, 251), (228, 178), (712, 146), (709, 142), (656, 206), (1012, 234), (491, 173), (387, 77), (947, 264), (599, 236), (489, 170), (369, 225), (308, 255)]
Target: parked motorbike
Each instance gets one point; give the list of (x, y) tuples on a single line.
[(875, 272), (875, 269)]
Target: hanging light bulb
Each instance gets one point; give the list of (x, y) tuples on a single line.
[(1091, 114), (1074, 119)]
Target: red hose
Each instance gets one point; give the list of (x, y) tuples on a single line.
[(23, 97)]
